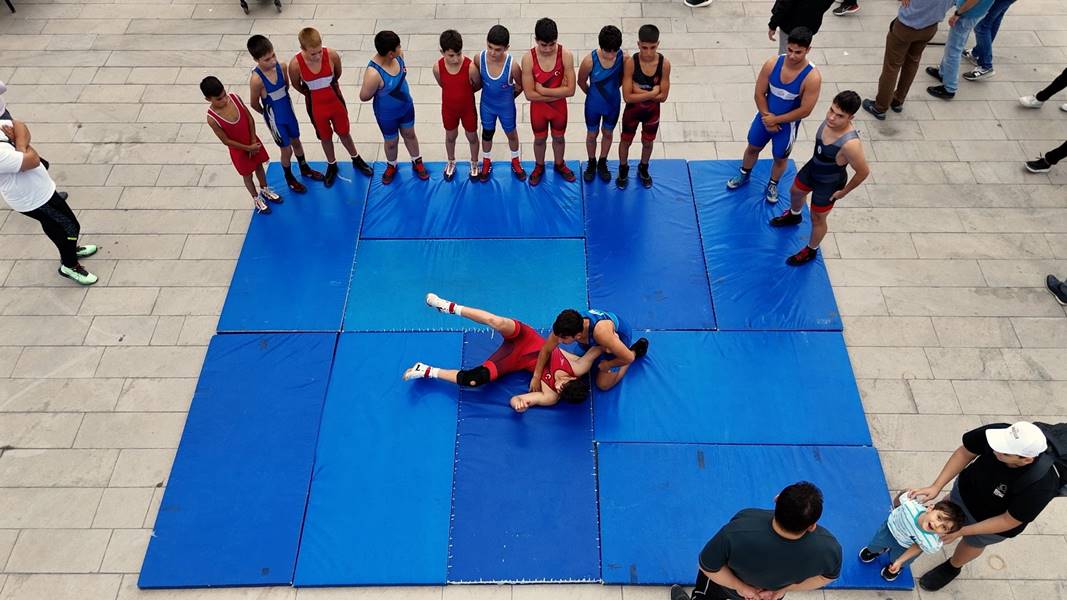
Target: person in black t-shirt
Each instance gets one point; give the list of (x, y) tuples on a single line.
[(762, 554), (990, 461)]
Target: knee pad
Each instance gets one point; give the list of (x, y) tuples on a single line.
[(473, 377), (487, 134)]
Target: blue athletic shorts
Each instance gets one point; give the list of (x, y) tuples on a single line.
[(283, 128), (596, 118), (491, 114), (391, 124), (781, 140)]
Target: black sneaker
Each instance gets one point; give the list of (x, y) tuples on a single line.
[(331, 174), (889, 575), (1055, 287), (846, 9), (934, 72), (869, 106), (867, 556), (294, 185), (939, 91), (623, 179), (786, 219), (640, 347), (63, 196), (602, 170), (1038, 166), (806, 255), (678, 593), (643, 175), (697, 3), (895, 107), (362, 166), (589, 174), (939, 576)]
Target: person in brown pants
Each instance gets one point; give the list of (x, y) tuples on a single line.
[(914, 27)]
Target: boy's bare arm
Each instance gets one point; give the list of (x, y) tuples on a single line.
[(296, 78), (335, 62), (584, 69), (437, 73), (475, 75), (371, 82), (255, 93), (664, 81), (225, 139)]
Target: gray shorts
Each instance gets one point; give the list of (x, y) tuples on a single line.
[(976, 541)]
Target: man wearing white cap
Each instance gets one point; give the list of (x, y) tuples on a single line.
[(989, 463)]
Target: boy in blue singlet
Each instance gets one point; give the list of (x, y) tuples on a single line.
[(594, 328), (270, 98), (599, 76), (498, 98), (386, 81), (786, 91)]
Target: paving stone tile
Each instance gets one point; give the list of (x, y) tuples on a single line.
[(889, 363), (1052, 590), (972, 245), (123, 508), (975, 332), (578, 592), (858, 301), (7, 542), (885, 396), (1040, 397), (167, 331), (130, 430), (125, 551), (58, 395), (151, 361), (43, 331), (1041, 333), (60, 587), (913, 469), (47, 507), (58, 361), (189, 301), (128, 591), (870, 595), (121, 331), (153, 507), (58, 551), (985, 397), (1018, 273), (157, 222), (39, 430), (142, 468), (367, 593), (173, 272), (969, 363), (1018, 559), (891, 220), (971, 302), (920, 432), (934, 396), (889, 331), (890, 272), (37, 301), (477, 592), (875, 245), (1035, 363), (119, 301), (156, 394), (56, 468)]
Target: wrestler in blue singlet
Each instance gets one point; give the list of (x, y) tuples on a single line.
[(278, 108), (602, 103), (595, 316), (393, 107), (781, 99), (498, 98)]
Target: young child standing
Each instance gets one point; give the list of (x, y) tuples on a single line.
[(600, 77), (910, 530), (269, 93), (458, 78), (498, 98), (646, 82), (232, 122), (548, 80), (315, 72), (386, 81)]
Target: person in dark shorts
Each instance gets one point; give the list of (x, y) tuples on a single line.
[(518, 352), (825, 176), (643, 93), (767, 553)]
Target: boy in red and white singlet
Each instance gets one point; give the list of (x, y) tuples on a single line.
[(548, 80), (459, 78)]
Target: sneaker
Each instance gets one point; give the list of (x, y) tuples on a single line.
[(678, 593), (897, 108), (417, 371), (86, 250), (537, 174), (978, 74), (294, 184), (517, 170), (786, 219), (643, 175), (640, 347), (934, 72), (450, 170), (331, 175), (420, 169), (564, 172), (439, 304), (260, 205), (389, 174), (1057, 288), (604, 172), (869, 106), (846, 9), (474, 170), (623, 178), (362, 166), (1063, 107), (867, 556), (270, 195), (889, 575), (939, 576), (697, 3), (970, 57), (78, 273), (738, 180), (771, 194), (1031, 102), (589, 174), (486, 171), (312, 174), (939, 91), (806, 255), (1038, 166)]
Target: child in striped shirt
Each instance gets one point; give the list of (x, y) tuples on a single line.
[(911, 529)]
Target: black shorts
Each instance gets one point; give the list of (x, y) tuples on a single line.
[(821, 189)]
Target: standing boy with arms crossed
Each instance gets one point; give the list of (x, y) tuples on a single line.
[(600, 76), (498, 98), (643, 93), (458, 78), (548, 80)]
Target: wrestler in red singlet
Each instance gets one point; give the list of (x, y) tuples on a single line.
[(554, 113), (557, 362), (325, 104), (457, 97), (517, 353)]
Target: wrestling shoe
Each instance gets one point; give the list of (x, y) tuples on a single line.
[(640, 347), (362, 166), (602, 170), (78, 274), (623, 178), (867, 556), (474, 170), (786, 219), (439, 303), (771, 193), (450, 170), (389, 174), (261, 206), (270, 195), (643, 176), (312, 174), (564, 171), (487, 170), (86, 250), (420, 169), (294, 185), (517, 170), (537, 174), (417, 371), (331, 175), (738, 180), (590, 171), (805, 256)]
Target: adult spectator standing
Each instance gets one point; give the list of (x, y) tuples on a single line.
[(27, 188), (996, 489), (763, 554), (1038, 100), (962, 22), (787, 15), (909, 33), (984, 34)]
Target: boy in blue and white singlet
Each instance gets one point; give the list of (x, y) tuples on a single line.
[(501, 80), (600, 77), (386, 82), (786, 91), (270, 97)]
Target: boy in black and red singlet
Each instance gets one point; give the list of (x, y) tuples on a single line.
[(315, 72), (646, 82), (459, 79), (517, 352), (548, 80)]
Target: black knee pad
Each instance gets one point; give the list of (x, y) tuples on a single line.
[(487, 134), (473, 377)]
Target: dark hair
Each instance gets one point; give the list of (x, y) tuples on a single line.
[(798, 507), (953, 512), (610, 38), (498, 36), (575, 391), (211, 87), (568, 323), (648, 34), (848, 101), (451, 40), (545, 30), (385, 42), (259, 46), (801, 36)]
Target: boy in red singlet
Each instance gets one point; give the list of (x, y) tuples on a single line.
[(314, 72), (232, 122), (548, 80), (518, 352), (459, 79)]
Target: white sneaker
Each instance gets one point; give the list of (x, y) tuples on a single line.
[(417, 371), (1063, 107), (474, 169), (435, 301), (1031, 102), (268, 194)]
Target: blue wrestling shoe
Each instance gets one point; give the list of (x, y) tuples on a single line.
[(738, 180)]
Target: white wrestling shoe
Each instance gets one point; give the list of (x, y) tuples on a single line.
[(417, 371), (435, 301)]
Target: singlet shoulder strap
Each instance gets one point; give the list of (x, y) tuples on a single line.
[(818, 132), (659, 67), (378, 68), (847, 137)]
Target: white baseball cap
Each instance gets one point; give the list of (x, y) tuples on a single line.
[(1021, 439)]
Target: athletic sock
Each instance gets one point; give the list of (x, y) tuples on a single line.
[(301, 160), (433, 372), (602, 161), (486, 155), (815, 249), (745, 171), (288, 170), (774, 181), (446, 306), (391, 163), (514, 154), (416, 159), (794, 212)]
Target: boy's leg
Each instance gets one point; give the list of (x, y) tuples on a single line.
[(261, 176), (411, 142), (882, 540), (540, 146), (327, 149), (606, 139), (472, 139), (391, 148), (818, 227), (646, 150), (503, 325), (348, 143), (605, 380), (559, 145), (451, 135), (513, 140), (251, 187), (61, 226), (590, 145)]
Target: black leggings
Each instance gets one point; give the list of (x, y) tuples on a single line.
[(61, 226), (706, 589), (1056, 154), (1056, 86)]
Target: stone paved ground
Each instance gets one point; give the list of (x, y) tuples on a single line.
[(937, 261)]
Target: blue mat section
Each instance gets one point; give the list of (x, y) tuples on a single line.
[(232, 512), (751, 285), (734, 387), (653, 526), (502, 207), (382, 490), (525, 505), (645, 258), (295, 265), (531, 280)]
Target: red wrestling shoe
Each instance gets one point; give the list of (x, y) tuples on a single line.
[(517, 170), (420, 169), (537, 174), (487, 170), (564, 171), (389, 174)]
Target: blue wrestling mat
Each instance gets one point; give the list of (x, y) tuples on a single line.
[(306, 459)]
